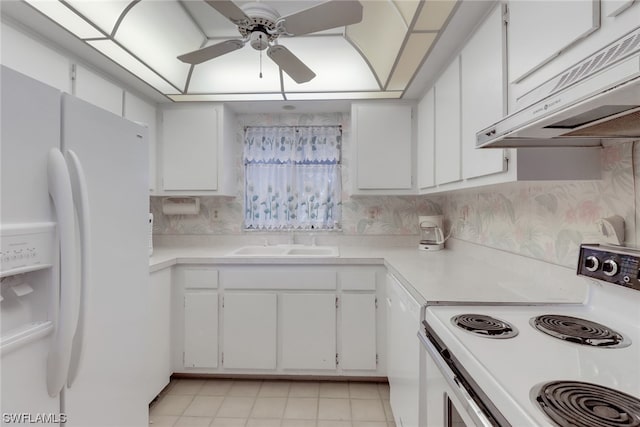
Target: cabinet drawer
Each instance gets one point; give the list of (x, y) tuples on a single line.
[(198, 278), (357, 280), (287, 277)]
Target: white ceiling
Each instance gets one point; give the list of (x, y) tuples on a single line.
[(390, 54)]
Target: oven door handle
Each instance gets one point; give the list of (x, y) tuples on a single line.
[(471, 407)]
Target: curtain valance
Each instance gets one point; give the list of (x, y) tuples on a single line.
[(293, 144)]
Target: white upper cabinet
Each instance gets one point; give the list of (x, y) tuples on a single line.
[(41, 63), (470, 95), (447, 102), (541, 30), (198, 145), (383, 144), (546, 38), (98, 91), (138, 110), (426, 141), (484, 94)]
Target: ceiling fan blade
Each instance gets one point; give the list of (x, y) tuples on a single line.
[(331, 14), (229, 10), (290, 64), (210, 52)]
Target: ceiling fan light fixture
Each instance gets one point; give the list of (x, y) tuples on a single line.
[(259, 40)]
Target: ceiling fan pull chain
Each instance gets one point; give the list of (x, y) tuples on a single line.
[(261, 60)]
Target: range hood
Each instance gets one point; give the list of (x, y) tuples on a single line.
[(596, 99)]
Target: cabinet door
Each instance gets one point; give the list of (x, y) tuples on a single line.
[(98, 91), (383, 140), (308, 331), (426, 141), (137, 110), (541, 30), (190, 149), (159, 335), (41, 63), (200, 329), (447, 100), (358, 331), (249, 330), (483, 79)]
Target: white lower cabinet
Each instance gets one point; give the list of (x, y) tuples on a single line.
[(358, 339), (200, 329), (308, 331), (279, 319), (249, 327), (403, 353), (159, 337)]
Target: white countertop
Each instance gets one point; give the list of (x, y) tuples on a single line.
[(463, 272)]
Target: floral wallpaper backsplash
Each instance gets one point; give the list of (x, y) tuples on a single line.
[(549, 220), (543, 220)]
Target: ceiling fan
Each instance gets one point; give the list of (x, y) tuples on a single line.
[(260, 25)]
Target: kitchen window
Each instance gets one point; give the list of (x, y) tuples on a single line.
[(292, 177)]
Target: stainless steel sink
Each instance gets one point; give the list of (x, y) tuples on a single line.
[(286, 251)]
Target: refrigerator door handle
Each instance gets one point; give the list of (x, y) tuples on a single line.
[(65, 323), (81, 201)]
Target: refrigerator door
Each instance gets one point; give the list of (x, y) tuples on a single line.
[(107, 387), (30, 117)]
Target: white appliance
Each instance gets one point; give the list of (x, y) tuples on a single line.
[(542, 365), (74, 224), (431, 235), (597, 98), (403, 350)]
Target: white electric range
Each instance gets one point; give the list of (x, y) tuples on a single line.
[(506, 365)]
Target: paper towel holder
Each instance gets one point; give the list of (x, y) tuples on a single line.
[(181, 205)]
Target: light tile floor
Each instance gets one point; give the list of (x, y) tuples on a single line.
[(272, 403)]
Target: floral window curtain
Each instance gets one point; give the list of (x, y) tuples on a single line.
[(292, 177)]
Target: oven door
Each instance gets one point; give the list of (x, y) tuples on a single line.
[(446, 402)]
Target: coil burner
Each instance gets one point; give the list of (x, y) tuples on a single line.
[(579, 331), (485, 326), (575, 403)]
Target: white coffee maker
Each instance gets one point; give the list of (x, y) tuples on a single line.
[(431, 235)]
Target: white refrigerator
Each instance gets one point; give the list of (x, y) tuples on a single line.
[(74, 236)]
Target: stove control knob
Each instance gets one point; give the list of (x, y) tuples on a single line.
[(610, 267), (591, 263)]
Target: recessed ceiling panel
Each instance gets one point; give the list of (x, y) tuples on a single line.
[(407, 8), (68, 19), (236, 72), (157, 32), (130, 63), (375, 58), (337, 65), (103, 13), (229, 97), (434, 14), (414, 51), (343, 95), (379, 36), (212, 23)]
